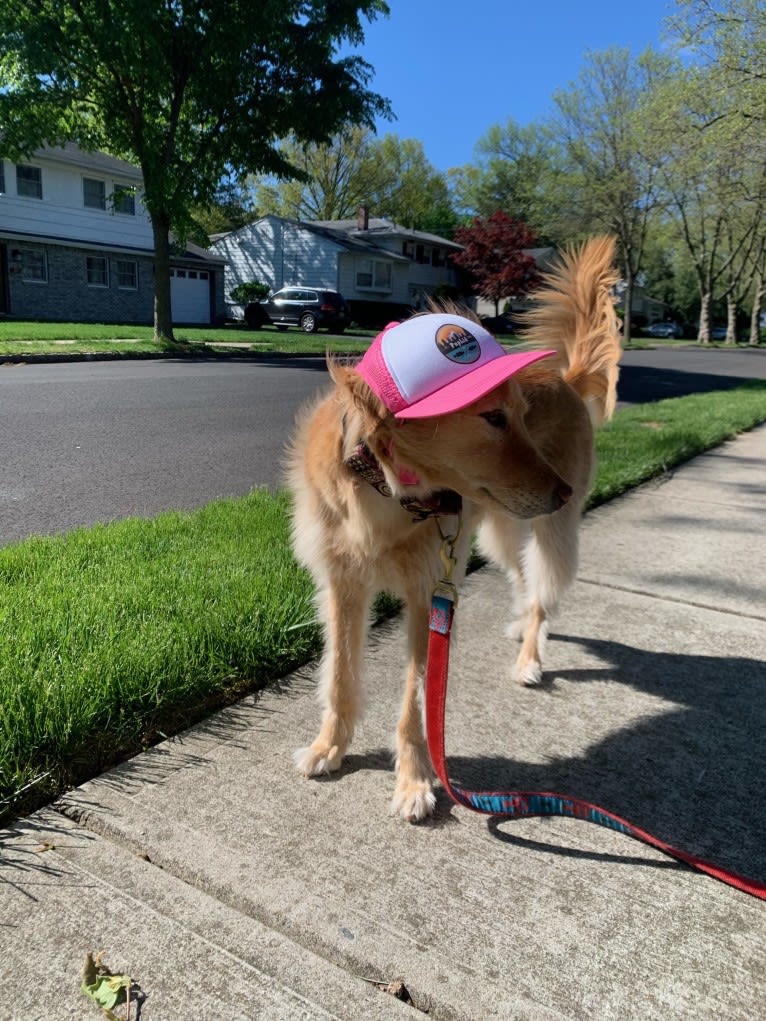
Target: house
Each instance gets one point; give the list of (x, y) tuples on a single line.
[(76, 244), (382, 269), (644, 309)]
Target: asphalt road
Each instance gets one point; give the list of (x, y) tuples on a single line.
[(96, 441)]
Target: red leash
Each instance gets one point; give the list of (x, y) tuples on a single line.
[(517, 804)]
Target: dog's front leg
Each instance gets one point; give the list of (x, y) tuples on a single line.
[(343, 607), (414, 798)]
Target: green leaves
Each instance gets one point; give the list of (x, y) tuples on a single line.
[(103, 987)]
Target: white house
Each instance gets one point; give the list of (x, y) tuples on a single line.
[(381, 268), (76, 244)]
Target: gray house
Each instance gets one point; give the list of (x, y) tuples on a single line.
[(76, 243), (381, 268)]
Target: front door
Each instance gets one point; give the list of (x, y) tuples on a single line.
[(4, 306)]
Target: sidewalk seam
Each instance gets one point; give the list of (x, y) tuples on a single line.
[(670, 599)]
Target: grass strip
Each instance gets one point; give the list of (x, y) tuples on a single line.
[(118, 635), (645, 440), (25, 339)]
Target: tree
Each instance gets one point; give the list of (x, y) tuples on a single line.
[(728, 38), (612, 184), (493, 255), (728, 41), (403, 185), (331, 181), (231, 207), (714, 181), (391, 176), (194, 91), (511, 173)]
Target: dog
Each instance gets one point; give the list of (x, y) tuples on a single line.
[(437, 413)]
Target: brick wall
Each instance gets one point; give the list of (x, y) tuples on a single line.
[(67, 296)]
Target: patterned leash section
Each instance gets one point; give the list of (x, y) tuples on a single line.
[(524, 804)]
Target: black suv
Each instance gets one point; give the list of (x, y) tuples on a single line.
[(300, 306)]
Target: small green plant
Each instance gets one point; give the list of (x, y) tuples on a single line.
[(253, 290)]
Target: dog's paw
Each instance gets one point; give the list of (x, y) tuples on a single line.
[(530, 675), (413, 801), (317, 760)]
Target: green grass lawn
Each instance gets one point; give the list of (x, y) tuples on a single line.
[(62, 339), (118, 635)]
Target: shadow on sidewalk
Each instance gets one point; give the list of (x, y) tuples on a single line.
[(692, 776)]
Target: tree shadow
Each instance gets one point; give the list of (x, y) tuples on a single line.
[(25, 859), (642, 383)]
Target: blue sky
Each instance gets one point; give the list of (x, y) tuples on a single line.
[(453, 68)]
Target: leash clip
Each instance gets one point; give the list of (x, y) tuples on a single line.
[(445, 588)]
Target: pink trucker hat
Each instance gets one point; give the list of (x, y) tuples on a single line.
[(437, 363)]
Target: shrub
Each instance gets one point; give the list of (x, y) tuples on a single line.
[(253, 290)]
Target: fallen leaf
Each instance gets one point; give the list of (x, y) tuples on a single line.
[(103, 987)]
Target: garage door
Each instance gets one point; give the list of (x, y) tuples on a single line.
[(190, 295)]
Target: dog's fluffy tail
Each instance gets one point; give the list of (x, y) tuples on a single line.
[(575, 316)]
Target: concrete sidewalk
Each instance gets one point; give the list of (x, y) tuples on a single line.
[(231, 889)]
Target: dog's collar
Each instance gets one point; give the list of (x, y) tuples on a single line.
[(366, 465)]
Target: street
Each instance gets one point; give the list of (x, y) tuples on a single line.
[(94, 441)]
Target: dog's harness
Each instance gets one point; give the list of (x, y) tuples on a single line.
[(519, 804)]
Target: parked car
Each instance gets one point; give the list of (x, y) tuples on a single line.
[(664, 330), (508, 322), (718, 332), (306, 307)]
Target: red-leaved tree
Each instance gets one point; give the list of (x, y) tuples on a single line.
[(493, 255)]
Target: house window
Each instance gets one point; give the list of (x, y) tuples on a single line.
[(2, 177), (93, 193), (438, 257), (124, 200), (34, 266), (29, 181), (98, 271), (127, 274), (422, 255), (373, 275)]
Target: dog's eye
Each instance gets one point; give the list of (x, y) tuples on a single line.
[(496, 418)]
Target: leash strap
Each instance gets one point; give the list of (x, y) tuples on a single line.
[(520, 804)]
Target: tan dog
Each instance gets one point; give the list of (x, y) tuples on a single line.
[(437, 408)]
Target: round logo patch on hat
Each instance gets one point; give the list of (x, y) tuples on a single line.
[(457, 343)]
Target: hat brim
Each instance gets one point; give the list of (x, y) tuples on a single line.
[(473, 385)]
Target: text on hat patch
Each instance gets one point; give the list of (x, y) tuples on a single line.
[(457, 344)]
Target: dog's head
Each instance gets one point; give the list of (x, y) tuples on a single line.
[(482, 451)]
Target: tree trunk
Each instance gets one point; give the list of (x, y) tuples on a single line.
[(628, 299), (755, 314), (703, 335), (163, 316), (731, 320)]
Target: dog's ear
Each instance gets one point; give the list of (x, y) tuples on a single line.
[(368, 411)]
